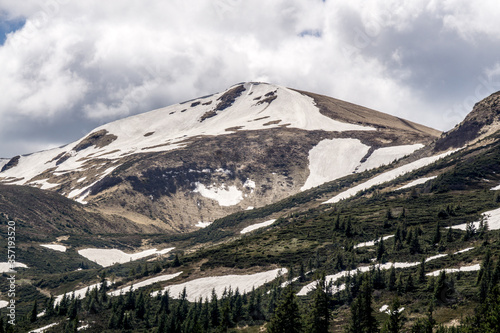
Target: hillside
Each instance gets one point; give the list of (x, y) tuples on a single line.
[(191, 163), (412, 243)]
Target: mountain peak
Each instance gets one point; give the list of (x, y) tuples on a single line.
[(482, 121)]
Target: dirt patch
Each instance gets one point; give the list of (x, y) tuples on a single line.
[(233, 129), (274, 122), (208, 114), (14, 161), (228, 98), (98, 139)]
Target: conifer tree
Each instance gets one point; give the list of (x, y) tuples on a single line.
[(286, 317), (362, 319), (34, 312), (395, 322), (319, 317)]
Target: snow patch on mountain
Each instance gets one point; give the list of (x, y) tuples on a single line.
[(471, 268), (55, 247), (333, 159), (202, 288), (417, 182), (336, 158), (203, 224), (224, 195), (144, 283), (7, 267), (387, 176), (257, 226), (386, 155), (491, 217), (109, 257)]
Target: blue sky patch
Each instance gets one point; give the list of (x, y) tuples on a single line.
[(8, 26)]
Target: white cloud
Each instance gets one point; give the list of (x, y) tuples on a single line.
[(96, 61)]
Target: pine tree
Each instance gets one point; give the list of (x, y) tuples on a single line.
[(214, 310), (391, 284), (421, 272), (302, 273), (396, 320), (286, 318), (380, 249), (362, 319), (437, 234), (319, 317), (449, 235), (34, 312)]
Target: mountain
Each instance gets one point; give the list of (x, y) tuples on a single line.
[(188, 164), (413, 242), (482, 121)]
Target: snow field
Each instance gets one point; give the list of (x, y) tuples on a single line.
[(333, 159), (336, 158), (55, 247), (387, 176), (492, 217), (202, 288), (257, 226), (144, 283), (109, 257)]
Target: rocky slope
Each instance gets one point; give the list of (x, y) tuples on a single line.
[(196, 161)]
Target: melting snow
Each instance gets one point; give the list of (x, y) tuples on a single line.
[(203, 224), (383, 156), (456, 270), (417, 182), (333, 159), (257, 226), (109, 257), (144, 283), (333, 278), (6, 267), (336, 158), (387, 176), (229, 196), (56, 247), (492, 217), (203, 287), (371, 243), (43, 329), (80, 293), (464, 250)]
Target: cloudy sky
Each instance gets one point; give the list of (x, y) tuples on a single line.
[(67, 66)]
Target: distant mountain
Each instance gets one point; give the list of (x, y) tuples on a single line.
[(196, 161)]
